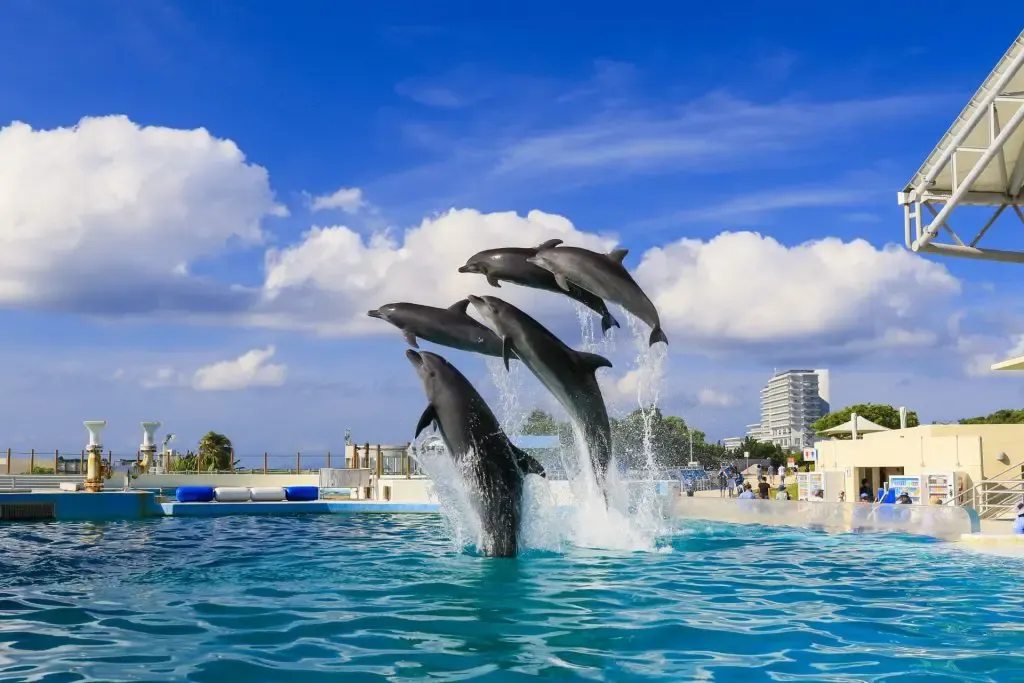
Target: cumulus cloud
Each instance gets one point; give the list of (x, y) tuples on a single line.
[(738, 287), (348, 199), (107, 214), (328, 280), (745, 287), (251, 369)]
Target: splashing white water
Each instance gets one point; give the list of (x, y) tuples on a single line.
[(511, 414), (558, 514)]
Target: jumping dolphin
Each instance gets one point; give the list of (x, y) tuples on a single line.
[(450, 326), (467, 424), (568, 374), (602, 275), (510, 264)]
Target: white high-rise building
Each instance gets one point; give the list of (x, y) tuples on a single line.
[(790, 403)]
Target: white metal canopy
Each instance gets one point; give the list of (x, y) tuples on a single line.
[(864, 426), (978, 162)]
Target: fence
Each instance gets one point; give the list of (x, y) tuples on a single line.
[(381, 460)]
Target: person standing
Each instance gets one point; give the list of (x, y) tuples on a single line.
[(763, 488)]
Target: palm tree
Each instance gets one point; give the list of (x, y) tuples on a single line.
[(216, 452)]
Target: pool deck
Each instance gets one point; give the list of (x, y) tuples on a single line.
[(124, 505)]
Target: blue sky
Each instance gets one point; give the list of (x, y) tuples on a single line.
[(139, 250)]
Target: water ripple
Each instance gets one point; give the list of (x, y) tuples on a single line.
[(365, 598)]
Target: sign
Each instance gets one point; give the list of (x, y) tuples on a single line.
[(811, 455), (791, 463)]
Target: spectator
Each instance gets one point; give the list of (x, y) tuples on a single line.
[(721, 484), (842, 496), (782, 494), (904, 499), (1018, 524), (865, 497), (763, 488), (865, 487), (747, 492), (782, 475)]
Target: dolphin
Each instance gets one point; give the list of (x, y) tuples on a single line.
[(568, 374), (602, 275), (467, 424), (510, 264), (450, 326)]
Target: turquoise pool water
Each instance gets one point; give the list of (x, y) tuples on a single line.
[(375, 598)]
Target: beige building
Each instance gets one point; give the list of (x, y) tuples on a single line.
[(973, 452)]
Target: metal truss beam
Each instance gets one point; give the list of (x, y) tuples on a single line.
[(932, 198)]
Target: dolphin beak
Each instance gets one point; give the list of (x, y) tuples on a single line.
[(475, 300), (414, 357), (466, 269), (374, 314)]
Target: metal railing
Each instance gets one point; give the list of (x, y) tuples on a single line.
[(997, 498), (29, 482)]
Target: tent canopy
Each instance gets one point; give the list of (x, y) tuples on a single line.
[(864, 426)]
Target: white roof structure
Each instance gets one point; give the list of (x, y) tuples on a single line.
[(979, 162), (864, 426)]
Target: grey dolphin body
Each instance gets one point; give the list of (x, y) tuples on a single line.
[(602, 275), (568, 374), (510, 264), (450, 326), (467, 425)]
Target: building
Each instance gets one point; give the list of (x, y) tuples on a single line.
[(968, 454), (790, 403)]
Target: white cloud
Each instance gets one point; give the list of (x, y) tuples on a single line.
[(251, 369), (744, 287), (329, 280), (348, 199), (713, 398), (737, 287), (102, 213)]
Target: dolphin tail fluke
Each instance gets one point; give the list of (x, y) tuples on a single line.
[(658, 335), (608, 321)]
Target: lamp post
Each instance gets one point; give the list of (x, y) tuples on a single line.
[(94, 467), (148, 447)]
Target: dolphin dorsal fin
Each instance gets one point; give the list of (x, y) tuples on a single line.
[(550, 244), (459, 306), (618, 254), (592, 361)]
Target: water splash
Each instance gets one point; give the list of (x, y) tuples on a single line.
[(558, 514), (509, 383)]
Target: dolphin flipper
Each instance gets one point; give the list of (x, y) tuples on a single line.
[(410, 339), (608, 321), (506, 351), (550, 244), (493, 281), (592, 361), (528, 464), (561, 282), (429, 416)]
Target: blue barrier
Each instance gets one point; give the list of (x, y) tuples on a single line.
[(301, 493), (194, 494)]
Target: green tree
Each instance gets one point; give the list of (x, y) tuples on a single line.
[(1006, 416), (216, 452), (880, 414), (761, 450), (540, 423)]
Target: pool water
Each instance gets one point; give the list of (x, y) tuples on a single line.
[(384, 598)]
